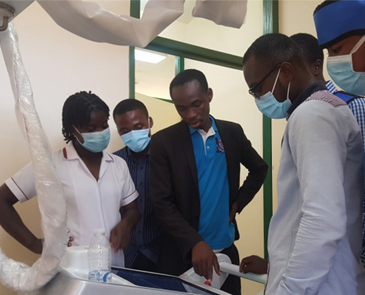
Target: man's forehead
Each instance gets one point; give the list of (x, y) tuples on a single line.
[(254, 61), (254, 67), (346, 44), (136, 114)]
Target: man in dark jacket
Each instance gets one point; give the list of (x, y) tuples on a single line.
[(195, 182)]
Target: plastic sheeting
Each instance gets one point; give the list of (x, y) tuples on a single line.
[(52, 205), (93, 22), (230, 13)]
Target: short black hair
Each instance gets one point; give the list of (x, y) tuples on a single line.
[(273, 49), (77, 110), (129, 104), (189, 75), (309, 46)]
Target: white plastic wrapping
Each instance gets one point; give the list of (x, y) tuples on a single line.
[(49, 190), (230, 13), (93, 22)]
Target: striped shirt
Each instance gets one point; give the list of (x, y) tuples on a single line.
[(330, 86), (146, 235)]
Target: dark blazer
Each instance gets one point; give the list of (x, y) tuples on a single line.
[(175, 192)]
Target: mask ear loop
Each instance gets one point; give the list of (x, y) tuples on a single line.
[(149, 127), (358, 44), (276, 79), (287, 94), (78, 133)]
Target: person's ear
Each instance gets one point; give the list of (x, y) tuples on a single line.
[(151, 122), (286, 73), (317, 67), (210, 94)]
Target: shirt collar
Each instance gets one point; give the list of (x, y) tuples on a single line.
[(330, 86), (214, 126), (69, 153), (130, 154), (314, 87)]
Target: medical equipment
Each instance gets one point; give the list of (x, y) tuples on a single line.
[(72, 280), (9, 10)]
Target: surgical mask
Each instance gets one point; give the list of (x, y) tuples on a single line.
[(95, 142), (270, 107), (137, 140), (341, 71)]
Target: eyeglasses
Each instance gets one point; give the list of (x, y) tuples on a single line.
[(252, 89)]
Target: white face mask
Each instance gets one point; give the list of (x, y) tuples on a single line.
[(342, 73), (270, 107)]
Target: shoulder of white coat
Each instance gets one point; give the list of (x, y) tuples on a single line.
[(323, 111), (327, 97), (320, 104)]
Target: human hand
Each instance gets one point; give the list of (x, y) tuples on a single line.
[(204, 259), (254, 264), (70, 240), (120, 236), (233, 211)]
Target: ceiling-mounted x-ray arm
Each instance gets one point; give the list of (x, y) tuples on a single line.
[(6, 14)]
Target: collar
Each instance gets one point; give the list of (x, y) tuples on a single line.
[(214, 126), (314, 87), (130, 154), (69, 153), (330, 86)]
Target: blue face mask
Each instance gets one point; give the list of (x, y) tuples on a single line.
[(137, 140), (270, 107), (341, 71), (95, 142)]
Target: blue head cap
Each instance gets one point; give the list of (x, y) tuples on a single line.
[(336, 20)]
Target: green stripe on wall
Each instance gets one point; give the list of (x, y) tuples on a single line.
[(135, 9), (270, 25)]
